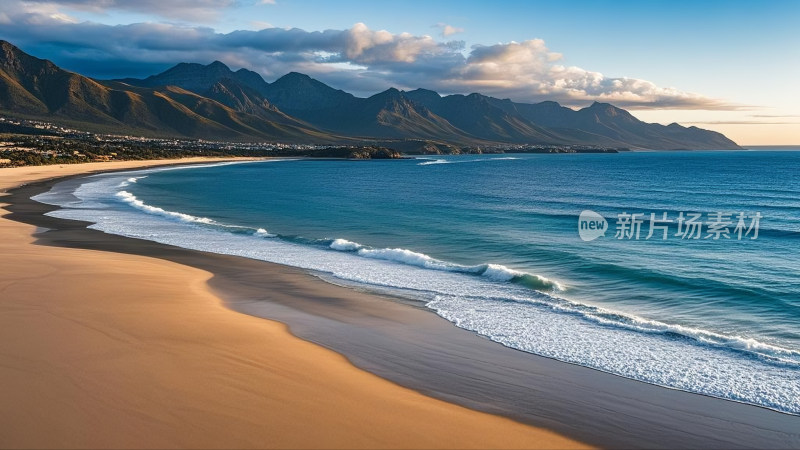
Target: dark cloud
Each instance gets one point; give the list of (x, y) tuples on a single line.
[(113, 68), (359, 59)]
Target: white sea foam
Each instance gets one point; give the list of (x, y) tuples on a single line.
[(490, 299), (740, 343), (500, 273), (433, 161), (130, 181), (429, 162), (494, 272), (409, 257), (656, 359), (262, 232), (344, 245), (131, 199)]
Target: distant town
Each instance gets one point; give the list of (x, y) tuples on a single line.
[(32, 142)]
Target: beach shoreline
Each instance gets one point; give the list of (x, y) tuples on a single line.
[(416, 349), (102, 349)]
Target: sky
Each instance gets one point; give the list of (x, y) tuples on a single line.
[(730, 66)]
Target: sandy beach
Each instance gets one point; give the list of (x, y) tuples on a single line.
[(108, 341), (105, 349)]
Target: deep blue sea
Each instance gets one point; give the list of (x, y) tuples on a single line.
[(491, 243)]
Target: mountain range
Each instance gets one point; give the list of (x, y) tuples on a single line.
[(214, 102)]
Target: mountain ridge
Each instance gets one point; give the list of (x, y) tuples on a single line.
[(212, 101), (35, 88)]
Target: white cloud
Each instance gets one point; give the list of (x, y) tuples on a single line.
[(529, 70), (358, 59), (448, 30), (260, 24), (365, 46)]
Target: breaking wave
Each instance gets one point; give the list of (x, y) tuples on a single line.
[(429, 161), (494, 272), (131, 199)]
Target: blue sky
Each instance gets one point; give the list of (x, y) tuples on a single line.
[(731, 65)]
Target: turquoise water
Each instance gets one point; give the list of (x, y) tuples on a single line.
[(491, 243)]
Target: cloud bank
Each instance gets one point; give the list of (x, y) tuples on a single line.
[(357, 59), (201, 10)]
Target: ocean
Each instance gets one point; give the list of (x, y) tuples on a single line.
[(709, 302)]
